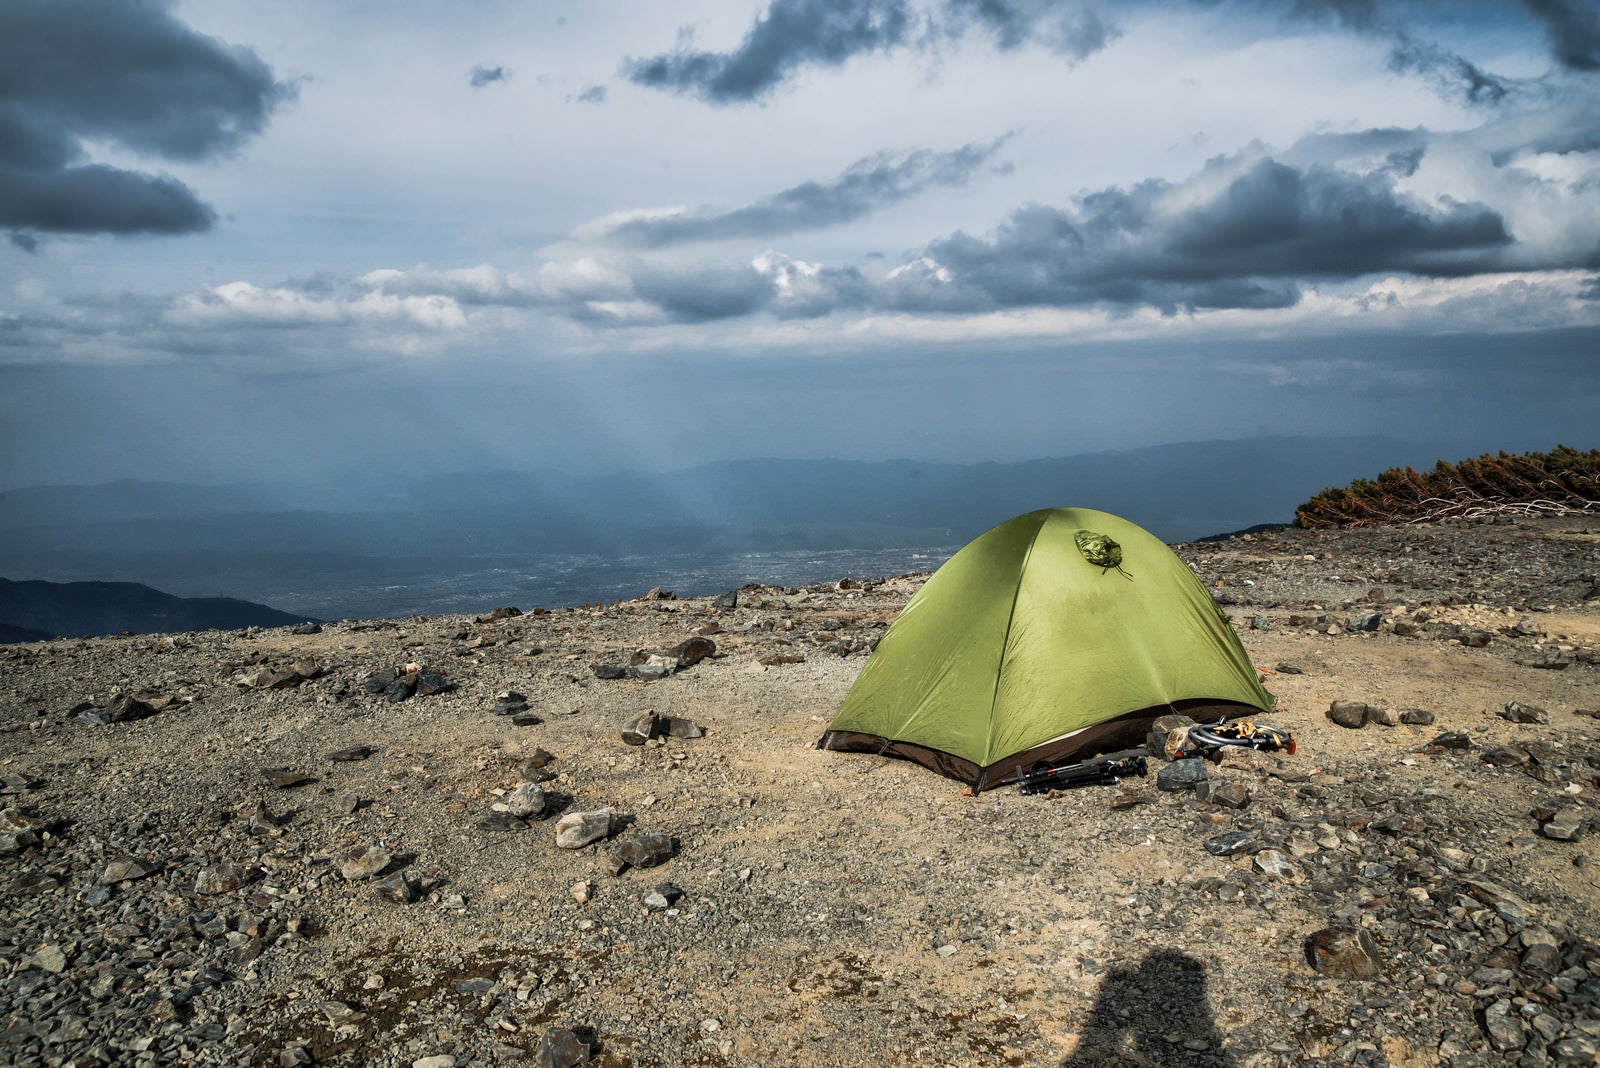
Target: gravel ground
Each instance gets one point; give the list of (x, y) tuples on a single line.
[(189, 875)]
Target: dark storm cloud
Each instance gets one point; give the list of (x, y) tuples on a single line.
[(479, 77), (1243, 234), (1573, 27), (127, 73), (1072, 30), (1244, 246), (789, 35), (793, 34), (868, 185)]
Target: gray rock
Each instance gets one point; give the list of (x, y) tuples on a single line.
[(223, 878), (1183, 774), (1275, 865), (1343, 953), (644, 727), (1417, 717), (1504, 1030), (560, 1048), (1368, 621), (125, 870), (642, 851), (1169, 728), (577, 829), (1453, 740), (691, 652), (1231, 844), (1351, 714), (1564, 826), (526, 801), (1517, 712), (396, 887), (1505, 756), (1580, 1049), (678, 727), (663, 896), (363, 862), (1230, 795), (1286, 668), (1383, 717)]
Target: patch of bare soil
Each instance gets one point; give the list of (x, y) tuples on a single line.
[(818, 908)]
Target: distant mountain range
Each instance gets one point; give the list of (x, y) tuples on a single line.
[(34, 610), (240, 538)]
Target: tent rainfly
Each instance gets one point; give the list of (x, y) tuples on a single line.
[(1057, 634)]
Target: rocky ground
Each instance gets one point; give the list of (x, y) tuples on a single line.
[(278, 848)]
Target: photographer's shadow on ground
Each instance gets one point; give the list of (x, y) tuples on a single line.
[(1142, 1008)]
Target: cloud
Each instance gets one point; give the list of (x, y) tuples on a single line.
[(794, 34), (479, 77), (129, 74), (1075, 31), (595, 94), (243, 304), (867, 185), (1573, 27), (789, 35), (1453, 74)]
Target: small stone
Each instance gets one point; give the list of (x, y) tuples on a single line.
[(1564, 826), (1286, 668), (286, 778), (1505, 756), (582, 891), (439, 1060), (352, 754), (363, 862), (677, 727), (1275, 865), (526, 719), (1517, 712), (1367, 621), (396, 887), (1343, 953), (663, 896), (1183, 774), (644, 727), (642, 851), (946, 950), (1231, 844), (294, 1057), (525, 801), (1230, 795), (577, 829), (1417, 717), (52, 959), (1453, 740), (1383, 717), (1504, 1030), (223, 878), (691, 652), (121, 871), (1351, 714), (560, 1048), (263, 820), (429, 683)]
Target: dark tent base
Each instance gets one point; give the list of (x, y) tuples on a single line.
[(1124, 732)]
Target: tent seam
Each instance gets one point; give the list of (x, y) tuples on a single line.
[(1005, 644)]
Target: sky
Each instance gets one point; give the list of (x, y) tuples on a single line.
[(308, 240)]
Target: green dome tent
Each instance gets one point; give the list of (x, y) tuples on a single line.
[(1058, 633)]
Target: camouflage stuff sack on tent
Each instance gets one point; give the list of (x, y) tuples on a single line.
[(1099, 550)]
